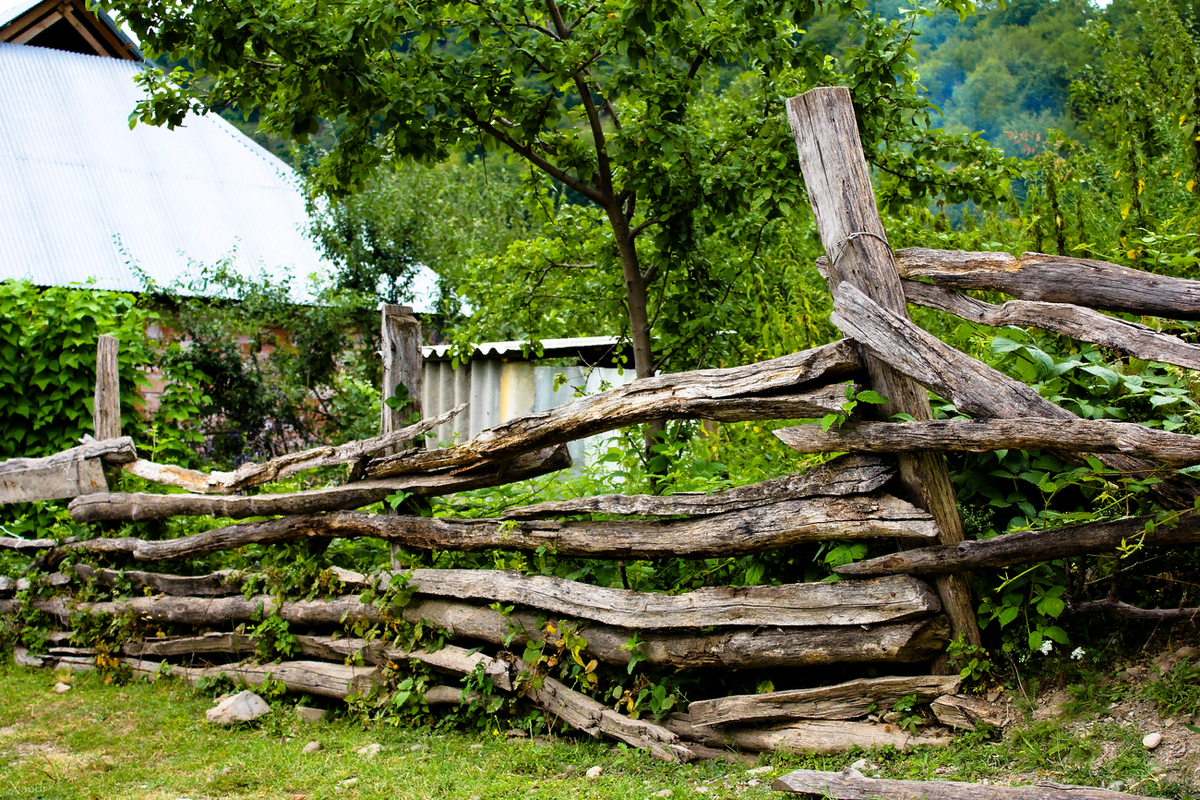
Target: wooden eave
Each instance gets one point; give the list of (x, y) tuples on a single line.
[(100, 37)]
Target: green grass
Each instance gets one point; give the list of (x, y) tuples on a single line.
[(151, 741)]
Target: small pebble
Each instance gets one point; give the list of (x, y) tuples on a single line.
[(595, 772), (312, 747), (1152, 740), (61, 687), (1117, 786), (349, 782), (417, 747), (664, 793), (753, 782), (476, 747)]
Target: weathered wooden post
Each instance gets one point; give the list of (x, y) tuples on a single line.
[(401, 336), (401, 350), (843, 203), (106, 406)]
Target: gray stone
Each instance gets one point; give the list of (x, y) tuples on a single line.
[(242, 707), (62, 688), (370, 750), (1152, 740), (307, 714), (595, 772), (312, 747)]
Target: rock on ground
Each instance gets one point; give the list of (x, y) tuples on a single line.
[(241, 707)]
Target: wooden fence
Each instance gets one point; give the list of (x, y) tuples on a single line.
[(893, 484)]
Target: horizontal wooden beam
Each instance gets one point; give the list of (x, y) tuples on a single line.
[(755, 391), (980, 436), (850, 700), (1086, 325), (972, 386), (1028, 546), (851, 785), (847, 475), (141, 507), (70, 473), (1056, 279)]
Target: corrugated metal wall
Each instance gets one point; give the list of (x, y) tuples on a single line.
[(500, 390)]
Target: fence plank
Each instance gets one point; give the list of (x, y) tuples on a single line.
[(1028, 546), (140, 507), (851, 785), (843, 202), (74, 472), (972, 386), (979, 436), (1056, 279), (1139, 341), (735, 533), (691, 394), (846, 475), (849, 700)]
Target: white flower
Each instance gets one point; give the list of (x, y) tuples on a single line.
[(1077, 654), (1046, 647)]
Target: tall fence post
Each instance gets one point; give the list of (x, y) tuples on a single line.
[(106, 407), (843, 202), (401, 350)]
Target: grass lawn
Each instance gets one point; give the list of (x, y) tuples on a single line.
[(151, 740)]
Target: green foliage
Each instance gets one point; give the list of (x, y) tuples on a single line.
[(48, 363), (253, 373)]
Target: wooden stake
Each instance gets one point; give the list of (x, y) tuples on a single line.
[(401, 334), (839, 188), (106, 410)]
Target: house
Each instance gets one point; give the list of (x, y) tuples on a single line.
[(86, 198)]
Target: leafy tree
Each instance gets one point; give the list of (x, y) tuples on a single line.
[(619, 101)]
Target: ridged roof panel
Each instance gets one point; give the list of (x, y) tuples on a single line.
[(83, 195)]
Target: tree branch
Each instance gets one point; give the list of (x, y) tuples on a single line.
[(588, 191), (1134, 612)]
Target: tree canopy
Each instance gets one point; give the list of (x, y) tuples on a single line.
[(665, 117)]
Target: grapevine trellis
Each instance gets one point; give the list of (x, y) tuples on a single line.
[(893, 483)]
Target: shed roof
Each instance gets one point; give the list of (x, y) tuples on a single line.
[(86, 198)]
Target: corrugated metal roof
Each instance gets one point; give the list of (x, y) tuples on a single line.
[(551, 348), (76, 181)]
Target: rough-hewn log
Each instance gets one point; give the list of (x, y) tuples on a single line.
[(736, 533), (683, 395), (1029, 546), (140, 507), (215, 584), (972, 386), (980, 436), (849, 474), (250, 475), (851, 785), (307, 677), (790, 605), (74, 472), (755, 648), (849, 700), (106, 401), (235, 644), (448, 658), (963, 711), (1135, 339), (839, 188), (585, 714), (1056, 279), (21, 545), (1122, 609), (814, 737), (54, 579)]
